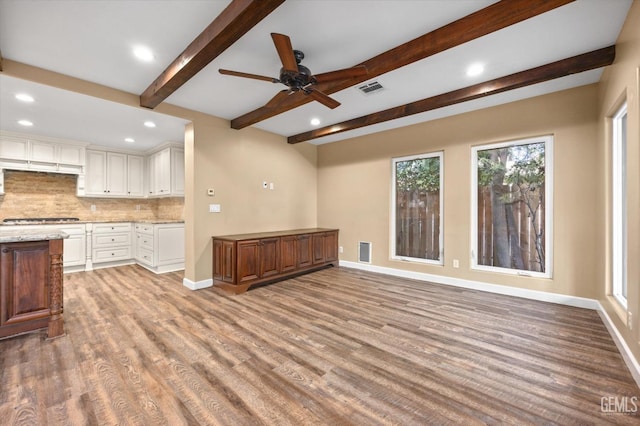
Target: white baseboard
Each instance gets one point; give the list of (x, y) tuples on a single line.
[(623, 348), (543, 296), (197, 285), (562, 299)]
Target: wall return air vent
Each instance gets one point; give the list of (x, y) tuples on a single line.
[(364, 252), (370, 88)]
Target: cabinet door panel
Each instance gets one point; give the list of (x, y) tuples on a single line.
[(304, 251), (248, 260), (135, 176), (269, 257), (43, 151), (318, 248), (96, 173), (116, 174), (24, 282), (288, 255), (331, 246)]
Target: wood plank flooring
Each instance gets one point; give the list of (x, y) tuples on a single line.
[(336, 347)]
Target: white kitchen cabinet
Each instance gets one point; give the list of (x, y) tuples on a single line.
[(135, 176), (113, 174), (12, 148), (111, 242), (160, 247), (23, 153), (96, 173), (74, 254), (166, 172)]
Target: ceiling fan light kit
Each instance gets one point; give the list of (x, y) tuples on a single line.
[(297, 77)]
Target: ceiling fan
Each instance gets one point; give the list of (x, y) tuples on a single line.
[(297, 77)]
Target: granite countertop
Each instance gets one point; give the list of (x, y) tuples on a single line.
[(81, 222), (10, 236)]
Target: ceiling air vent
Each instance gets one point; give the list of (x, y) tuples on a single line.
[(370, 88)]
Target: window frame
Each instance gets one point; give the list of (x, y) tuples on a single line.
[(392, 236), (548, 214), (619, 217)]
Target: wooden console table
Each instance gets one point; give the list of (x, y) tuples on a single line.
[(241, 261)]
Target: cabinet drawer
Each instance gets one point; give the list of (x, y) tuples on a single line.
[(111, 240), (144, 229), (106, 228), (144, 241), (108, 255), (145, 256)]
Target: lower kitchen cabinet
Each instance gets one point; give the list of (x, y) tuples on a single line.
[(111, 242), (241, 261), (160, 247)]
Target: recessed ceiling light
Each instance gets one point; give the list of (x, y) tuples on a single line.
[(150, 124), (475, 69), (130, 140), (143, 53), (24, 97), (26, 123), (315, 121)]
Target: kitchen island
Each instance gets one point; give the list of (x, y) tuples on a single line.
[(31, 281)]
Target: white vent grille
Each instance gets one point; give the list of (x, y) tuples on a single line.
[(364, 252), (370, 88)]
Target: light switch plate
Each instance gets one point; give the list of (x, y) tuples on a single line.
[(214, 208)]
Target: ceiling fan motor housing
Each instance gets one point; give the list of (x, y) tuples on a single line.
[(296, 80)]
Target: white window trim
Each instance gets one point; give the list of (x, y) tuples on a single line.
[(392, 236), (548, 158), (619, 208)]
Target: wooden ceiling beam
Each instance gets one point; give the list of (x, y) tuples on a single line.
[(576, 64), (485, 21), (234, 21)]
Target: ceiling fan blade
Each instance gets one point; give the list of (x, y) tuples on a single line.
[(343, 74), (278, 98), (247, 75), (325, 100), (285, 51)]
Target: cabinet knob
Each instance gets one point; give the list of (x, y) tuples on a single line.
[(113, 239), (4, 250)]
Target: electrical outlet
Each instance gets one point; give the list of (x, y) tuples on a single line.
[(138, 207), (456, 263), (629, 320), (340, 249), (93, 207)]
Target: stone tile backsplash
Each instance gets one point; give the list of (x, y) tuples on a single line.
[(33, 194)]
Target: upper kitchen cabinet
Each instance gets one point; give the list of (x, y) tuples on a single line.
[(41, 154), (114, 174), (166, 172), (106, 174)]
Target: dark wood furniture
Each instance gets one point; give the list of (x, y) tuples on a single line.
[(31, 287), (241, 261)]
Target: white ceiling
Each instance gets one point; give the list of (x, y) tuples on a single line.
[(93, 40)]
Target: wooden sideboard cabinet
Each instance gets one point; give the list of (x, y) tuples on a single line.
[(241, 261)]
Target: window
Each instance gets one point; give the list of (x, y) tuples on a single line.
[(416, 211), (619, 205), (511, 207)]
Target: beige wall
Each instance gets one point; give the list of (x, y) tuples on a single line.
[(235, 163), (354, 185), (621, 81)]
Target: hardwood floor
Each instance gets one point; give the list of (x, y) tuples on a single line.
[(335, 347)]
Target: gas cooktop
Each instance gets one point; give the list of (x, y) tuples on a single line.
[(39, 220)]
